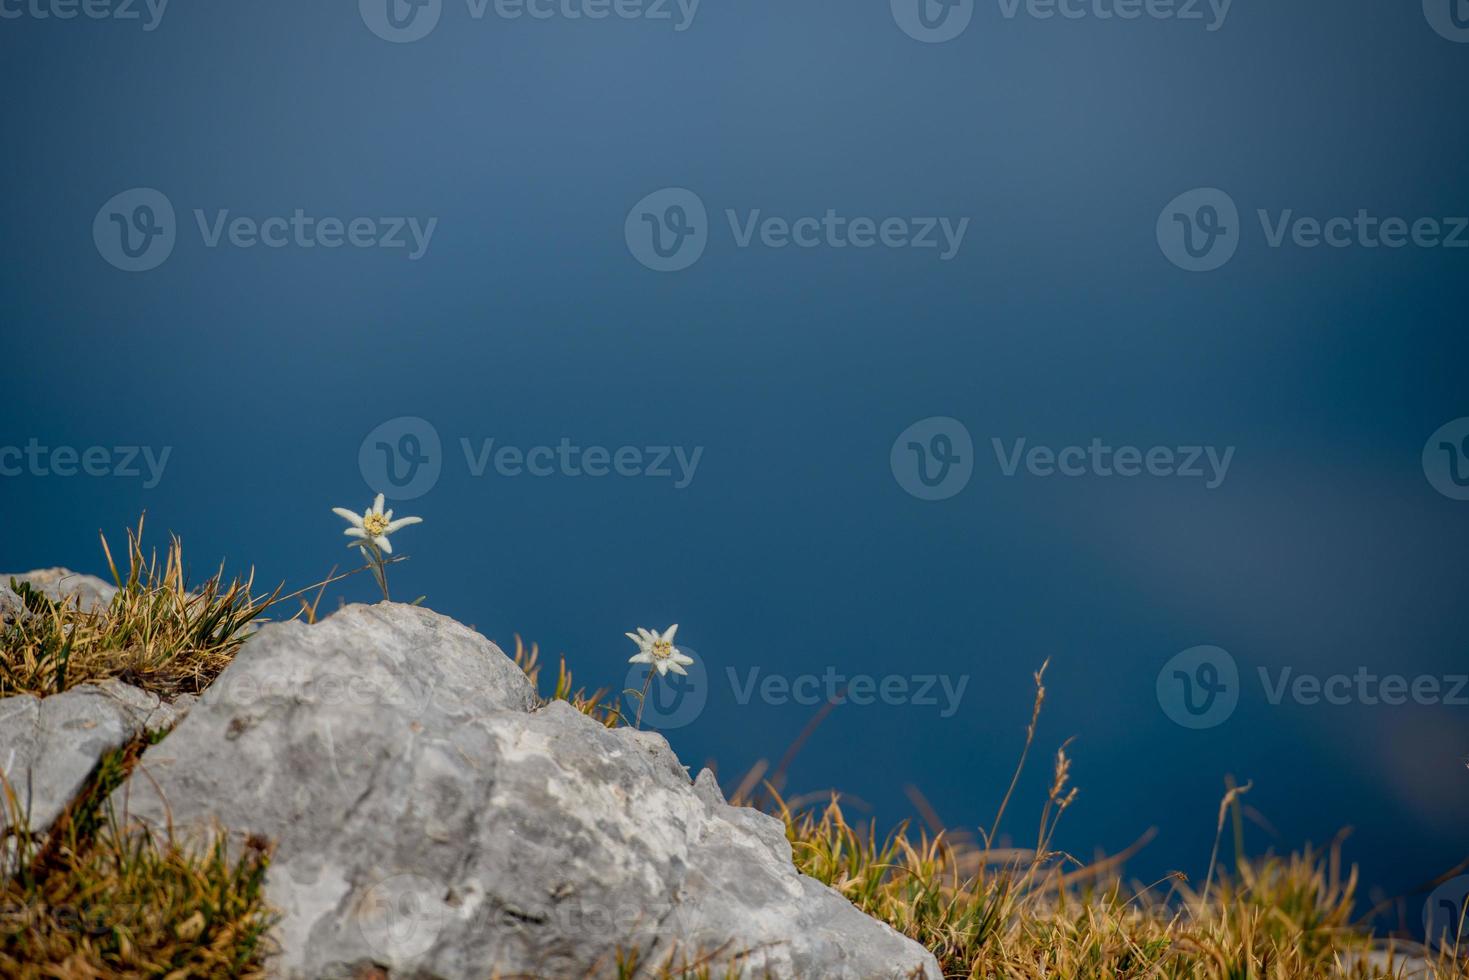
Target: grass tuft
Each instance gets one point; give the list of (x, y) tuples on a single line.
[(89, 900), (595, 705), (1037, 913), (158, 633)]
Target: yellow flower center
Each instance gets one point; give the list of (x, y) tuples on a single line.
[(374, 524), (662, 649)]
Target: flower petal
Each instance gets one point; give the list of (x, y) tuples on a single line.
[(346, 514), (400, 522), (679, 657), (377, 505), (355, 532), (384, 544), (648, 635), (668, 634), (677, 668), (662, 666), (641, 658)]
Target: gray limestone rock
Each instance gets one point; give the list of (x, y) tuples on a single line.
[(433, 821)]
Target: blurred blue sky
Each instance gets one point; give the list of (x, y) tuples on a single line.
[(794, 548)]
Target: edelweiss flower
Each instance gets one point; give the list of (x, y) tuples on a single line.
[(659, 651), (374, 525)]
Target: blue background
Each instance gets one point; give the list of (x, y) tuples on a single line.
[(795, 548)]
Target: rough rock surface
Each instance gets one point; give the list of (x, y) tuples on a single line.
[(431, 821), (49, 746), (90, 591)]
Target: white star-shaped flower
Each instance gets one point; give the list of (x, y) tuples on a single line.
[(659, 651), (374, 525)]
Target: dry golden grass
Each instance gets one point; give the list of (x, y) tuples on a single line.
[(1034, 913), (594, 705), (89, 901), (158, 633)]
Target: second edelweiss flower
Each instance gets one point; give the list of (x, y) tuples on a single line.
[(659, 651), (374, 525), (371, 529)]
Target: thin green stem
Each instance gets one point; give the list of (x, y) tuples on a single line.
[(643, 698), (379, 567)]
